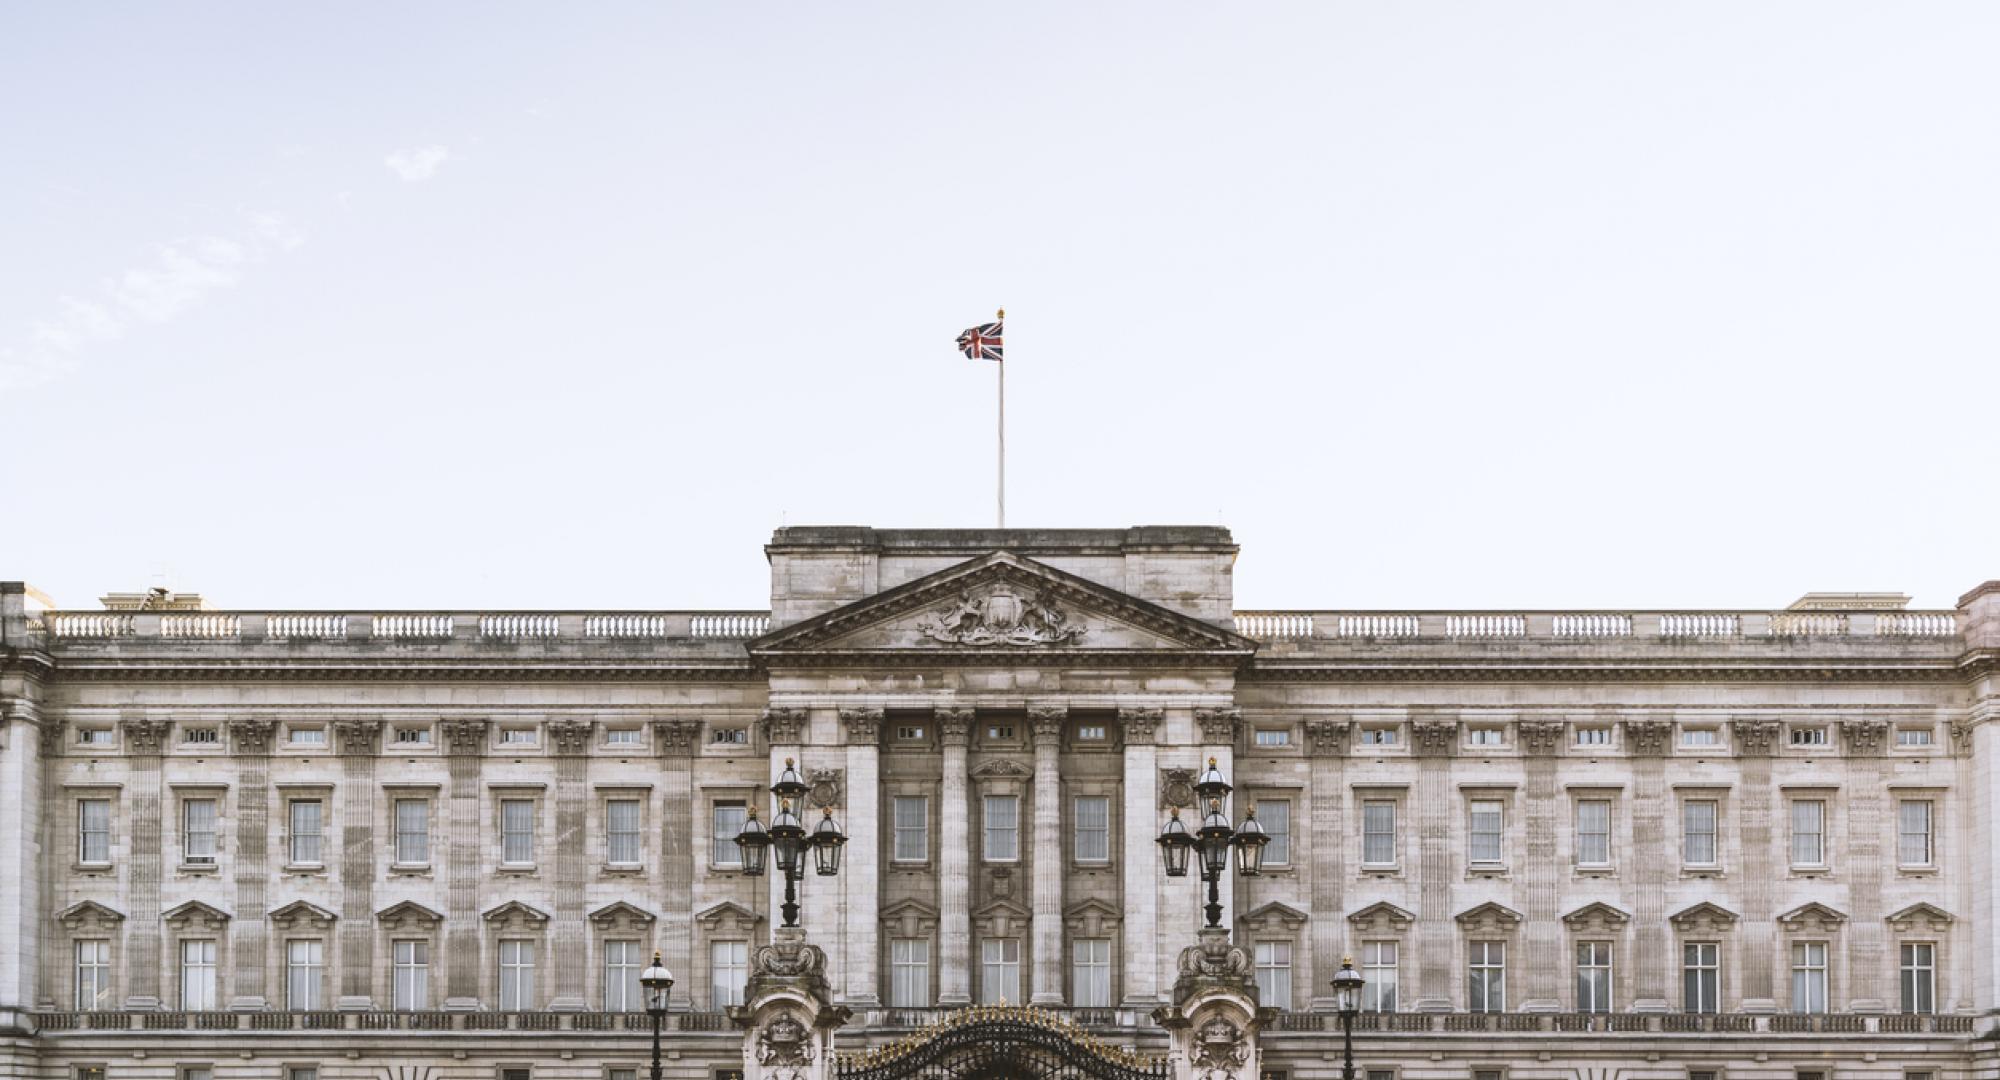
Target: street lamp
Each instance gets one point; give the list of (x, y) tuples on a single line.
[(1347, 998), (1213, 841), (788, 842), (656, 980)]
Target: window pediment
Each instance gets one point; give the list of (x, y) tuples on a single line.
[(1093, 918), (90, 917), (1002, 918), (910, 918), (299, 915), (1597, 917), (1704, 917), (1273, 917), (514, 915), (1489, 917), (408, 915), (621, 916), (1927, 918), (196, 916), (729, 917), (1813, 918), (1381, 918)]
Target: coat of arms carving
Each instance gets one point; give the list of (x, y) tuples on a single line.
[(1000, 616)]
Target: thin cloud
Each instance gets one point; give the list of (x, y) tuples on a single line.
[(418, 163)]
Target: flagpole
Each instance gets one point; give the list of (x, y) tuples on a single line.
[(1002, 365)]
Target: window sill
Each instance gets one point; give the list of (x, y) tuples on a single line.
[(520, 869), (196, 868), (726, 868), (410, 869), (624, 869), (1702, 872), (1798, 872), (1486, 873), (91, 867), (305, 868), (1382, 870), (1916, 871), (1596, 872), (901, 864)]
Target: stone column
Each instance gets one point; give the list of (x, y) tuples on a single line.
[(1433, 808), (1757, 945), (784, 736), (1047, 891), (673, 740), (954, 862), (1219, 731), (53, 954), (1871, 986), (1140, 948), (1543, 934), (568, 933), (20, 858), (861, 872), (1653, 854), (1975, 742), (143, 737), (1326, 743), (250, 740), (465, 743)]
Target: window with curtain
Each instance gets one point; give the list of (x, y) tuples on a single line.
[(1919, 976), (1913, 832), (1698, 832), (1809, 976), (307, 831), (1273, 971), (910, 973), (622, 963), (1000, 970), (1593, 832), (1090, 973), (1808, 832), (1093, 829), (93, 974), (197, 976), (1378, 833), (93, 829), (517, 831), (728, 818), (410, 969), (1276, 817), (1002, 821), (198, 832), (729, 970), (1485, 832), (305, 967), (912, 821), (621, 827), (1593, 976), (517, 976), (1380, 969), (1701, 977), (1486, 976), (413, 832)]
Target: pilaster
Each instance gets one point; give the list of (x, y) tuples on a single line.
[(569, 934), (673, 740), (1140, 948), (1646, 742), (1870, 817), (1762, 865), (1047, 891), (465, 743), (1434, 741), (250, 740), (145, 739), (21, 903), (954, 861), (1326, 743), (861, 874), (1542, 874)]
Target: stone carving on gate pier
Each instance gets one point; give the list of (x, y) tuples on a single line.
[(785, 1041), (1000, 616), (1218, 1050)]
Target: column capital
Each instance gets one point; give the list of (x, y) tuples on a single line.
[(145, 735), (251, 735), (1327, 736), (1048, 721), (1434, 737), (954, 725), (674, 733), (1648, 736), (1864, 736), (570, 738), (1139, 723), (1753, 736), (863, 724), (464, 736), (360, 736), (784, 726), (1219, 726), (1540, 736)]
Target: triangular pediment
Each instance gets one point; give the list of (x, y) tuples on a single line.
[(1003, 906), (728, 911), (1597, 914), (302, 913), (618, 913), (908, 907), (1387, 914), (91, 912), (1921, 916), (1001, 605), (1274, 916), (408, 912), (1489, 914), (1812, 916), (1703, 915), (517, 911), (196, 912)]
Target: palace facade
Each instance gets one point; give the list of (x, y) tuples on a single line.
[(1687, 845)]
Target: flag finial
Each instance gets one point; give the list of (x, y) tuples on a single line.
[(1001, 314)]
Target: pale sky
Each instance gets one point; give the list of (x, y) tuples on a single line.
[(568, 306)]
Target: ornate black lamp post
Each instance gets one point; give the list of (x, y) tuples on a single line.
[(788, 839), (1347, 998), (656, 980), (1213, 841)]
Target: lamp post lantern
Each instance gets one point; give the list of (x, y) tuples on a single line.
[(1347, 998), (787, 841), (1213, 841), (656, 980)]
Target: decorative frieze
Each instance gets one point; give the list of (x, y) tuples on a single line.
[(1177, 790), (826, 788)]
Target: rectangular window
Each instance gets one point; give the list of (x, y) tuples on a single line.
[(999, 732), (1093, 829), (1913, 832), (1381, 1074), (621, 1074), (201, 736), (728, 816), (1274, 974), (305, 966), (93, 830), (1701, 977), (1000, 970), (302, 1072), (197, 1072), (1808, 832), (912, 822), (410, 965), (1489, 1074), (517, 831), (729, 969), (306, 736), (1701, 736), (1486, 736), (1593, 976), (1919, 964), (1486, 982), (413, 832), (1274, 737), (198, 832), (1593, 736), (517, 976), (1484, 830), (93, 736), (621, 736), (93, 974), (413, 736), (910, 732), (910, 973), (517, 736), (1914, 736), (307, 832), (1378, 833), (1702, 1074), (1808, 736), (621, 831), (622, 963), (1380, 970), (1698, 832), (1090, 973), (1092, 733), (1593, 832), (1378, 736), (1276, 817), (729, 736), (197, 976), (517, 1074), (1003, 830), (1809, 976)]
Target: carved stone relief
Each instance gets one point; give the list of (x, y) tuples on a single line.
[(1864, 736), (1754, 735), (357, 735), (784, 726), (826, 788), (1176, 788), (1326, 736), (1648, 736), (999, 616), (1218, 726)]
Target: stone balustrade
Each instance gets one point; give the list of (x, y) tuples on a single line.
[(327, 1020), (1471, 626), (59, 627)]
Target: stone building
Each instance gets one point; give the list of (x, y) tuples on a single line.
[(439, 845)]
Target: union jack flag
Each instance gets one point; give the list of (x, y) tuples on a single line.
[(981, 342)]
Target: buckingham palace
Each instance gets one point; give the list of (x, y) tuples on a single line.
[(1749, 844)]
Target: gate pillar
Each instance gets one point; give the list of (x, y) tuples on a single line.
[(1214, 1020), (788, 1016)]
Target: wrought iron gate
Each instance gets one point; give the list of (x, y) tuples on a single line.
[(1000, 1043)]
